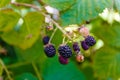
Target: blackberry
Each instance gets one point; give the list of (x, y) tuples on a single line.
[(63, 60), (80, 58), (76, 47), (84, 45), (84, 31), (45, 40), (65, 51), (50, 50), (90, 41)]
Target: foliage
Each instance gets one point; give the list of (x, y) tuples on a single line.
[(22, 26)]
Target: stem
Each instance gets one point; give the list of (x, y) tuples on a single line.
[(26, 5), (36, 71), (61, 29), (66, 41), (63, 40), (39, 9), (52, 35), (6, 70)]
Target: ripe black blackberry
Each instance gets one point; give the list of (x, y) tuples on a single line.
[(65, 51), (76, 47), (63, 60), (49, 50), (90, 41), (84, 45), (45, 40)]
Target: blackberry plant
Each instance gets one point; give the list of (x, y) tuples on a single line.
[(38, 28)]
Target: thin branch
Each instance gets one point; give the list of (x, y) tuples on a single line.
[(39, 9), (26, 5), (36, 71), (53, 35), (6, 70), (61, 29)]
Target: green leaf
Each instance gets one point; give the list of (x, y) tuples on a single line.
[(79, 11), (51, 69), (30, 54), (84, 10), (60, 4), (88, 72), (117, 5), (108, 33), (8, 19), (26, 34), (26, 76), (107, 63), (4, 3)]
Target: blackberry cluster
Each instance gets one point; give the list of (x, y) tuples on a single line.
[(49, 50), (89, 41), (65, 51)]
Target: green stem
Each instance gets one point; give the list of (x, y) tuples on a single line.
[(52, 35), (6, 70), (66, 41), (61, 29), (63, 40), (36, 71)]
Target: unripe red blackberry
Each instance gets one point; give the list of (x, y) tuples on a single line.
[(45, 40), (65, 51), (84, 45), (49, 50), (83, 31), (76, 47), (80, 58), (90, 41), (63, 60)]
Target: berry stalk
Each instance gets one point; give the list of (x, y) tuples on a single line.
[(52, 35)]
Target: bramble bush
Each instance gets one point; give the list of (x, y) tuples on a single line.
[(59, 40)]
